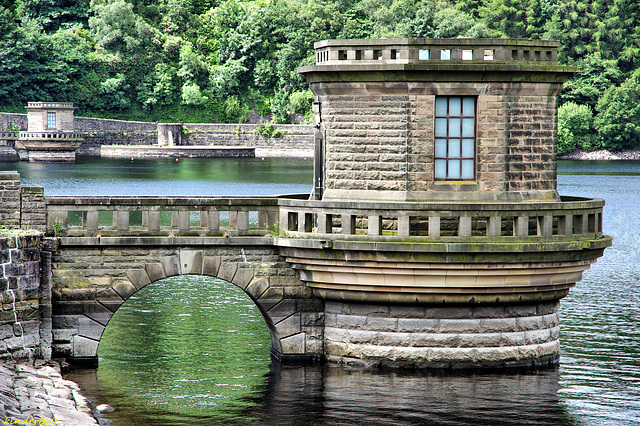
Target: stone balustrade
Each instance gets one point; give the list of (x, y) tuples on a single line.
[(424, 51), (161, 216), (51, 135), (296, 217), (445, 221), (9, 136), (50, 105)]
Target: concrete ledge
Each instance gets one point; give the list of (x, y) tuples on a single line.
[(175, 152)]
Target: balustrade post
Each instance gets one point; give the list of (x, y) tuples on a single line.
[(404, 226), (123, 220), (546, 228), (204, 219), (184, 221), (375, 225), (233, 219), (214, 221), (242, 219), (153, 218), (434, 226), (348, 224), (284, 220), (464, 226), (92, 222), (521, 226), (324, 223), (495, 226)]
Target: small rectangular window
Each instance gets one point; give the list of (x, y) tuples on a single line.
[(455, 138), (358, 55), (467, 55), (424, 55), (488, 54), (445, 55), (342, 55), (394, 54), (51, 120), (514, 54), (377, 55)]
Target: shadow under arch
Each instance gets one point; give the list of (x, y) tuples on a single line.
[(261, 281)]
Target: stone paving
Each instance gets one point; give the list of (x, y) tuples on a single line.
[(36, 394)]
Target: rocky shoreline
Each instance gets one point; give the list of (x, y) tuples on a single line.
[(601, 154), (35, 393)]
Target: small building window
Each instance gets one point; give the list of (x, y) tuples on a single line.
[(467, 55), (455, 138), (424, 54), (51, 120), (488, 55), (445, 55)]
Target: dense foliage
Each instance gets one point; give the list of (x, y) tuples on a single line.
[(217, 60)]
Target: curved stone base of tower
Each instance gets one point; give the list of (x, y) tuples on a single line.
[(523, 335)]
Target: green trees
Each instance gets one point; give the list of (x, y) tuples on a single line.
[(575, 128), (219, 59), (618, 120)]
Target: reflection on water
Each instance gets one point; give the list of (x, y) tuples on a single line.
[(600, 319), (597, 383)]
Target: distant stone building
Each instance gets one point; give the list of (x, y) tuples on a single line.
[(50, 135)]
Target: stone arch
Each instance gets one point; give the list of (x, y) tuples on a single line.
[(286, 311)]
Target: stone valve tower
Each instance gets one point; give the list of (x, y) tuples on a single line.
[(436, 235)]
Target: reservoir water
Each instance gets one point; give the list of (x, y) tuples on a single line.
[(195, 351)]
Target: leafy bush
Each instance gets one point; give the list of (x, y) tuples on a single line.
[(301, 101), (618, 119), (575, 128)]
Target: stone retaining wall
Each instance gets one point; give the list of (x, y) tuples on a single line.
[(25, 319), (98, 132), (276, 136), (414, 336)]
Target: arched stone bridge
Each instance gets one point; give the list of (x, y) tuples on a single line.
[(434, 284)]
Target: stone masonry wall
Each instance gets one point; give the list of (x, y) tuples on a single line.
[(413, 336), (90, 283), (283, 136), (25, 319), (21, 206), (380, 137)]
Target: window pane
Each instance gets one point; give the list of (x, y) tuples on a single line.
[(445, 55), (454, 128), (441, 127), (441, 169), (468, 127), (454, 106), (467, 148), (454, 169), (454, 148), (467, 169), (467, 55), (441, 106), (469, 106), (441, 148), (424, 54)]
